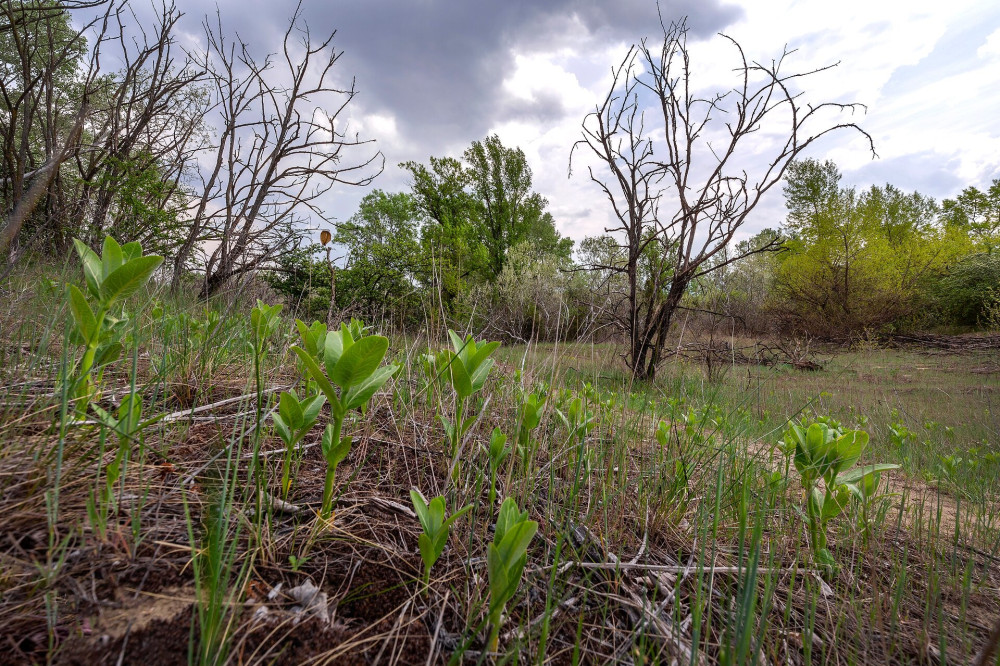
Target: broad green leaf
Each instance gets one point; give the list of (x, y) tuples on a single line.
[(435, 511), (460, 378), (849, 448), (480, 374), (111, 257), (131, 250), (311, 408), (312, 367), (107, 354), (359, 361), (281, 427), (333, 350), (515, 541), (290, 409), (128, 278), (456, 341), (483, 352), (496, 569), (359, 395), (91, 267), (853, 475), (338, 451), (420, 509), (835, 503), (83, 316), (427, 553)]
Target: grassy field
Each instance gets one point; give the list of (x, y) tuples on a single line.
[(671, 527)]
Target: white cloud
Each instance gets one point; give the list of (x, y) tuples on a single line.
[(991, 47)]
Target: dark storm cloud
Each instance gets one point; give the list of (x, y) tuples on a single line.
[(437, 65)]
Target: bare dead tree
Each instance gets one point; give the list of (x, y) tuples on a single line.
[(147, 115), (700, 171), (283, 144)]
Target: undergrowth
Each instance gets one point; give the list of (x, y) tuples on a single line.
[(237, 488)]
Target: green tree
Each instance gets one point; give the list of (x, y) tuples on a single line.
[(977, 213), (383, 255), (509, 212), (855, 261), (451, 250)]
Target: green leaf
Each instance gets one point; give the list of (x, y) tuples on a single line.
[(482, 352), (515, 541), (457, 342), (311, 408), (128, 278), (420, 509), (132, 250), (848, 449), (496, 569), (333, 350), (312, 367), (334, 452), (427, 553), (455, 516), (281, 427), (435, 512), (359, 395), (91, 267), (83, 316), (107, 354), (460, 378), (290, 409), (111, 257), (359, 361), (854, 475), (480, 374)]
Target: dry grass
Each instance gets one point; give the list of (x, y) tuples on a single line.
[(630, 565)]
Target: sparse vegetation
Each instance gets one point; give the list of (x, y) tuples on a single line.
[(676, 449)]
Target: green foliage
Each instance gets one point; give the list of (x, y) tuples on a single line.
[(498, 452), (111, 278), (384, 262), (577, 419), (529, 416), (292, 421), (505, 561), (264, 322), (127, 425), (468, 367), (967, 293), (856, 261), (822, 451), (350, 375), (303, 278), (977, 214), (436, 528), (508, 211)]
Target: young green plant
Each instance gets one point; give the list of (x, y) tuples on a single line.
[(468, 367), (349, 378), (498, 452), (505, 560), (824, 452), (127, 426), (436, 529), (117, 273), (292, 421), (529, 417)]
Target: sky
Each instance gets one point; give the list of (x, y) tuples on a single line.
[(435, 75)]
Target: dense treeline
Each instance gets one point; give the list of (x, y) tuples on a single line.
[(844, 263), (219, 159)]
